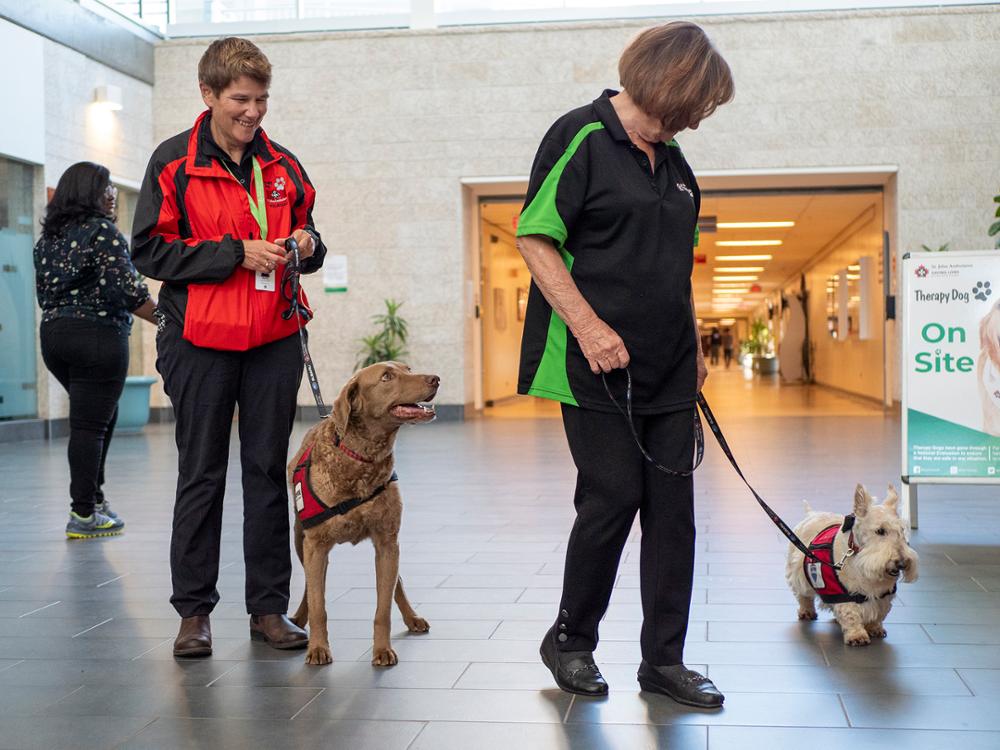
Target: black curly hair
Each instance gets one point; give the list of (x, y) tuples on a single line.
[(80, 195)]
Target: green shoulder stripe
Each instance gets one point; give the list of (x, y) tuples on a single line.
[(541, 215)]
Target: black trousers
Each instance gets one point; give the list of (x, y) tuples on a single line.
[(205, 386), (613, 483), (90, 360)]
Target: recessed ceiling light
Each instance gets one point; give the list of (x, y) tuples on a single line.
[(754, 224), (727, 321), (747, 243), (743, 257), (729, 291), (739, 269), (853, 276), (734, 278)]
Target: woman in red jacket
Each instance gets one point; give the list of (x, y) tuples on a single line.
[(217, 203)]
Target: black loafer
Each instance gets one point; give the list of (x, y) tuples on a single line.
[(573, 671), (680, 683)]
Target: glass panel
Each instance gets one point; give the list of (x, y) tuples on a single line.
[(17, 293)]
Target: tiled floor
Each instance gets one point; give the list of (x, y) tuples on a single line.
[(85, 628)]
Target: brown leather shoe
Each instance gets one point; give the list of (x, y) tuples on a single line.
[(194, 637), (277, 631)]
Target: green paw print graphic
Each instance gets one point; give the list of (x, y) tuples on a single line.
[(982, 290)]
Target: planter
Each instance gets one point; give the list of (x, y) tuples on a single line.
[(765, 365), (133, 404)]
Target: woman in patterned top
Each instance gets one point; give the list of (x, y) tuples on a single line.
[(88, 290)]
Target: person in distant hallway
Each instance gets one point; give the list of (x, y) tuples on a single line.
[(608, 232), (714, 344), (727, 346), (216, 206), (88, 290)]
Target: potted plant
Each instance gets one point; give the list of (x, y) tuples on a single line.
[(758, 345), (389, 342)]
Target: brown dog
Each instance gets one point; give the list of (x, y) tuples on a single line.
[(346, 463)]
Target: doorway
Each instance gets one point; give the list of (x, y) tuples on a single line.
[(18, 383)]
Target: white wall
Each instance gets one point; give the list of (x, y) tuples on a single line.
[(388, 122), (74, 130)]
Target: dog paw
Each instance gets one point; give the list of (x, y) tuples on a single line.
[(803, 615), (318, 655), (384, 657), (877, 632), (857, 639), (418, 625)]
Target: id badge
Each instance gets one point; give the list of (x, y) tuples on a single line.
[(265, 281)]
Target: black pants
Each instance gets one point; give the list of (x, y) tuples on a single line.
[(205, 386), (90, 360), (613, 483), (727, 355)]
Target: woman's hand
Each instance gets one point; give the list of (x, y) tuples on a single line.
[(702, 370), (604, 349), (146, 311), (307, 246), (262, 256)]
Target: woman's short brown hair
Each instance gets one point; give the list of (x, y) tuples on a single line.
[(227, 59), (673, 73)]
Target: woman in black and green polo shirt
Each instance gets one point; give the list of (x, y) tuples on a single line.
[(608, 231)]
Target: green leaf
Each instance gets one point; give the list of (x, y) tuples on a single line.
[(994, 229)]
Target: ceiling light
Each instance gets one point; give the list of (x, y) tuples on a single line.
[(734, 278), (748, 243), (743, 257), (108, 97), (739, 269), (727, 321), (729, 291), (853, 276), (854, 268), (754, 224)]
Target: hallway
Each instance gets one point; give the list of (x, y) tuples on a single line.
[(86, 629)]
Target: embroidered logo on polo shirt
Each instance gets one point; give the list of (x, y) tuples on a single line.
[(686, 189)]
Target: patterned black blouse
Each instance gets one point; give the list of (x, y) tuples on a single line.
[(86, 272)]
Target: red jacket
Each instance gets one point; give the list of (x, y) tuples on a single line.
[(190, 220)]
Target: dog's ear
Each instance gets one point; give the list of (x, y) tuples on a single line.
[(345, 402), (862, 501), (892, 500)]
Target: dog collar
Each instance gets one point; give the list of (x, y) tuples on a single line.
[(848, 528), (344, 449)]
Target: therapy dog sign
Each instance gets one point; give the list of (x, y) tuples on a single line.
[(951, 366)]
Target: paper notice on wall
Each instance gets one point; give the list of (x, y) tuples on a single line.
[(335, 273), (952, 365)]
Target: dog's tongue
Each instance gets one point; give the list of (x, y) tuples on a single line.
[(411, 411)]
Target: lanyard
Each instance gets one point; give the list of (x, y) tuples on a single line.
[(258, 209)]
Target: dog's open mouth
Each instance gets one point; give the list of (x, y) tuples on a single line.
[(413, 412), (893, 573)]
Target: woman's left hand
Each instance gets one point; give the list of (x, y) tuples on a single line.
[(702, 371), (304, 240)]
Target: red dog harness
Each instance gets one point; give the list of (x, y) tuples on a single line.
[(822, 576), (310, 509)]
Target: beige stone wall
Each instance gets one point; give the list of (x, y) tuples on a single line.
[(388, 123)]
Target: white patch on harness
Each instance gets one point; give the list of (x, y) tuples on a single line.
[(815, 571), (299, 502)]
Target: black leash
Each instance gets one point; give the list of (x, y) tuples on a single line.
[(290, 291), (699, 434)]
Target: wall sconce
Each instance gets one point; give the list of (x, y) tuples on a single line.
[(108, 97)]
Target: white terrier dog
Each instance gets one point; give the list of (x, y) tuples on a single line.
[(872, 548)]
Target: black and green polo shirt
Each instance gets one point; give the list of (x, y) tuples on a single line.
[(627, 236)]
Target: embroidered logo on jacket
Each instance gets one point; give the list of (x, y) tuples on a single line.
[(276, 195)]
